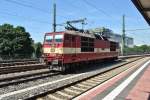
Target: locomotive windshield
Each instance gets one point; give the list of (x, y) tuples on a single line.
[(58, 38), (48, 38)]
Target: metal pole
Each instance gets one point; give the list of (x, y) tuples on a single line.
[(123, 35), (54, 16)]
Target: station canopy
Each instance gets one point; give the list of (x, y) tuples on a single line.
[(144, 7)]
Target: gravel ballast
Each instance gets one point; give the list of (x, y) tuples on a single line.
[(85, 73)]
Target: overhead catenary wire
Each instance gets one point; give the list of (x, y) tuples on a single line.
[(113, 3), (137, 37), (76, 7), (22, 17), (32, 27), (142, 29), (31, 2), (32, 7), (47, 12), (27, 5), (100, 10)]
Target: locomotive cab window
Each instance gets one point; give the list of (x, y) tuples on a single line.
[(48, 38), (58, 38)]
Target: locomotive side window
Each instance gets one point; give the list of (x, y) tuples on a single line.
[(48, 38), (66, 38), (73, 38), (58, 38), (70, 40), (87, 44)]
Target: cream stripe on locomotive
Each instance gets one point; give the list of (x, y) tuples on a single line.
[(72, 50), (53, 50), (62, 50), (98, 50)]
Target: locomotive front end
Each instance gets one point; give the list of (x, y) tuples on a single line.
[(53, 48)]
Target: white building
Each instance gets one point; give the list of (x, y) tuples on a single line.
[(129, 41), (118, 38)]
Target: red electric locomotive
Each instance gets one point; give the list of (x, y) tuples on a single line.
[(70, 48)]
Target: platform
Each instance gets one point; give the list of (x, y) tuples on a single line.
[(129, 85)]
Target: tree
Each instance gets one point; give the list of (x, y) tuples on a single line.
[(38, 50), (5, 39), (144, 48), (15, 42), (138, 49)]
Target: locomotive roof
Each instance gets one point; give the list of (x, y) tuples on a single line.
[(80, 34)]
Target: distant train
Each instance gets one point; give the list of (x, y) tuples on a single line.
[(70, 48)]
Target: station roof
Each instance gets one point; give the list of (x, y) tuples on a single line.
[(144, 7)]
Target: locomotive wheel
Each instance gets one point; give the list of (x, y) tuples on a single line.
[(50, 67), (66, 68), (63, 68), (69, 68)]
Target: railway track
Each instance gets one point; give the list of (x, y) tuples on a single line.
[(13, 63), (13, 80), (21, 68), (75, 89), (17, 60)]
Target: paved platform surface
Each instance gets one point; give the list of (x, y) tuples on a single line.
[(141, 91), (133, 84)]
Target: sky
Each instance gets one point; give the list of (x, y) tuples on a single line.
[(36, 16)]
